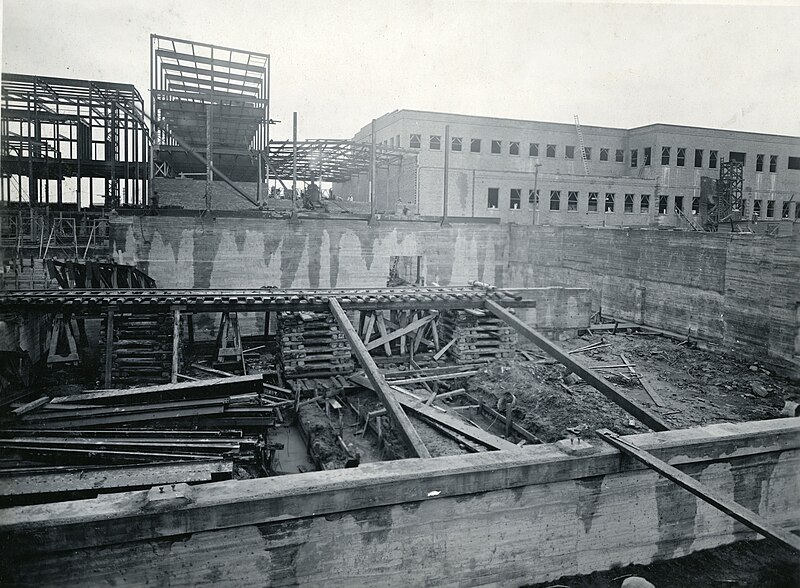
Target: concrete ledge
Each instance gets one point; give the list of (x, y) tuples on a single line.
[(122, 518)]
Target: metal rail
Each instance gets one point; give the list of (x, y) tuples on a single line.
[(255, 300)]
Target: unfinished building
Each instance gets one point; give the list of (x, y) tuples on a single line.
[(251, 360)]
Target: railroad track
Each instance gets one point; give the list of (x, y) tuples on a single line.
[(254, 300)]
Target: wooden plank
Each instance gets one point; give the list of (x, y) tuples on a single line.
[(402, 331), (516, 427), (434, 378), (387, 347), (743, 515), (198, 388), (444, 349), (109, 347), (112, 419), (130, 476), (176, 337), (405, 429), (31, 406), (595, 380), (415, 404), (648, 387), (210, 370), (474, 433)]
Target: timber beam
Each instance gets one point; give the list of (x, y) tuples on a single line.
[(253, 300), (405, 429), (598, 382), (729, 507)]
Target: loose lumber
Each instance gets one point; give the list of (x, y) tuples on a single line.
[(191, 389), (743, 515), (578, 367), (402, 331), (405, 429), (648, 387), (416, 405), (474, 433), (25, 408), (516, 427), (71, 479), (444, 349)]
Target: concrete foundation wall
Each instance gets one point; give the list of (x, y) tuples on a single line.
[(738, 290), (191, 252), (497, 519)]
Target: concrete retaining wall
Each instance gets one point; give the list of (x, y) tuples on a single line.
[(498, 518), (740, 290), (193, 252)]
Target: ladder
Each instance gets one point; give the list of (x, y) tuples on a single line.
[(583, 147), (682, 215)]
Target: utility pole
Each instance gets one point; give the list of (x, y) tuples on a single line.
[(446, 173), (536, 165), (294, 166), (372, 175)]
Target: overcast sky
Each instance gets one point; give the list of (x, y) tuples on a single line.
[(341, 63)]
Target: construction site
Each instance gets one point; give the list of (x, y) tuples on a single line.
[(419, 356)]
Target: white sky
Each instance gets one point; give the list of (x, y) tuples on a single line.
[(341, 63)]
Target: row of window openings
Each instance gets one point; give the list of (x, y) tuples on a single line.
[(515, 197), (457, 144), (785, 209)]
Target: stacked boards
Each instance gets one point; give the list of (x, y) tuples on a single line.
[(476, 336), (141, 349), (311, 345)]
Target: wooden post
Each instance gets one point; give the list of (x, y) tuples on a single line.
[(109, 347), (176, 338), (190, 328), (509, 416), (729, 507), (596, 381), (405, 429)]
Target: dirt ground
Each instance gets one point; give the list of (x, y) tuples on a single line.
[(696, 386), (745, 564)]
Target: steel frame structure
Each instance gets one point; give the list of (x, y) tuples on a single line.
[(728, 206), (54, 128), (208, 101), (332, 160)]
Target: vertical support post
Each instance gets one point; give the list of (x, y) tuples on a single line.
[(372, 172), (176, 337), (446, 172), (260, 180), (59, 180), (190, 330), (109, 347), (153, 119), (294, 164), (209, 153), (78, 155)]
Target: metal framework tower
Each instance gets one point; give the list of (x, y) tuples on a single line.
[(728, 204)]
